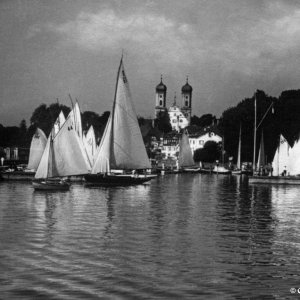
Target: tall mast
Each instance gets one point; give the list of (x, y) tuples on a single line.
[(254, 147), (113, 111), (239, 148)]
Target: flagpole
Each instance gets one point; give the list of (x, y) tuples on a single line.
[(254, 149)]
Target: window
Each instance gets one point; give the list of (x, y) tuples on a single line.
[(160, 96), (186, 97), (186, 103), (160, 102)]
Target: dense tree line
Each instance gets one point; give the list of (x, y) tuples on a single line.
[(282, 119), (44, 117), (278, 115)]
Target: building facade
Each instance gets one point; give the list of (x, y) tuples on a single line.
[(180, 117), (198, 140)]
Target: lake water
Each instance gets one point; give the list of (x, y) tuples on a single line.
[(185, 236)]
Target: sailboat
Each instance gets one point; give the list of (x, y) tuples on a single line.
[(186, 161), (89, 141), (221, 169), (281, 157), (122, 148), (261, 162), (63, 156), (238, 170), (37, 147), (285, 165)]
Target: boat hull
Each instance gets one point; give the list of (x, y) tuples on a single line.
[(221, 170), (117, 180), (284, 180), (50, 185), (17, 175), (191, 170)]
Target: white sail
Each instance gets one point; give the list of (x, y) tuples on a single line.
[(58, 123), (185, 158), (102, 162), (261, 155), (122, 144), (282, 157), (293, 167), (89, 141), (37, 147), (75, 116), (68, 152), (42, 170)]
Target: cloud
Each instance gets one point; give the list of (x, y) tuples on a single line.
[(157, 35)]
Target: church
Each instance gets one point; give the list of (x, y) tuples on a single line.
[(180, 117)]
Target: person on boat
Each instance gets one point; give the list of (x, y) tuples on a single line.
[(271, 170), (284, 171)]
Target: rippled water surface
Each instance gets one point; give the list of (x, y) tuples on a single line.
[(179, 237)]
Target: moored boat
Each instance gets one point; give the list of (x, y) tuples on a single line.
[(50, 185), (63, 156), (122, 146), (221, 170), (285, 180), (17, 175), (186, 161), (117, 179)]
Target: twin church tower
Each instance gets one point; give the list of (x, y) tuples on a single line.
[(179, 117)]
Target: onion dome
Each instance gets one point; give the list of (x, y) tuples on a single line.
[(187, 88), (161, 87)]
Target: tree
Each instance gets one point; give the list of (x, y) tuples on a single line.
[(90, 118), (162, 122), (209, 153), (44, 117), (243, 115), (204, 120)]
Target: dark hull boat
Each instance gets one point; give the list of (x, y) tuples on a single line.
[(50, 185), (63, 156), (17, 175), (282, 180), (117, 180), (122, 147)]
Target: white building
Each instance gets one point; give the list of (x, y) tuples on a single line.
[(170, 146), (198, 140), (179, 117)]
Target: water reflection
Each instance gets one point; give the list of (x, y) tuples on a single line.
[(185, 236)]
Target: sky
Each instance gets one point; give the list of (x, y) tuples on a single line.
[(228, 49)]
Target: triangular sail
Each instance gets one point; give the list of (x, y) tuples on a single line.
[(58, 123), (78, 123), (102, 162), (238, 163), (122, 143), (282, 157), (42, 170), (37, 147), (68, 152), (89, 141), (293, 167), (75, 115), (185, 158), (261, 155)]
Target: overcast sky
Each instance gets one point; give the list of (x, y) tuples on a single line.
[(50, 49)]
